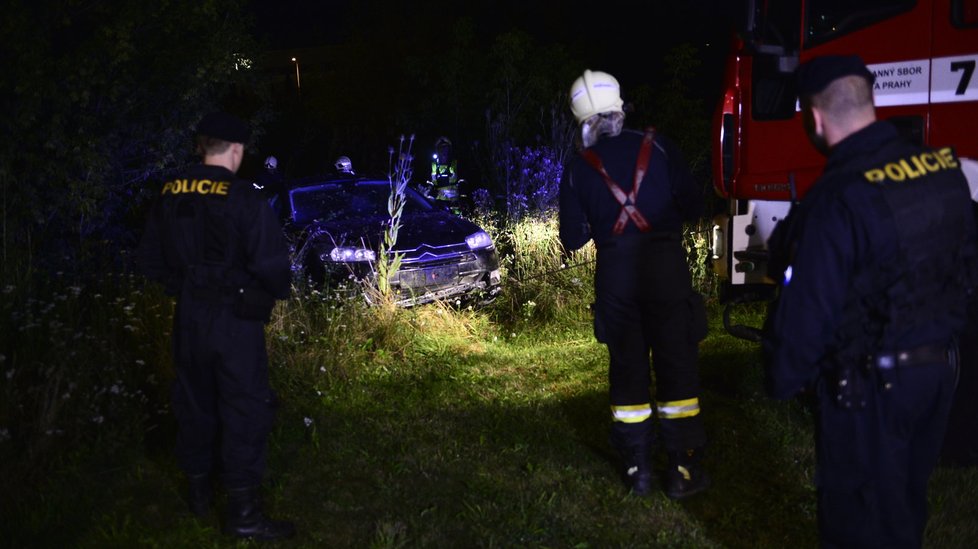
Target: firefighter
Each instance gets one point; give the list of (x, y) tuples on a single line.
[(444, 173), (879, 257), (215, 244), (271, 182), (630, 192), (343, 165)]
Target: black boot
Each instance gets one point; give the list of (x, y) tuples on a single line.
[(684, 475), (634, 444), (200, 495), (246, 520)]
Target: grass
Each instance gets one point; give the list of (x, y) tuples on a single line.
[(439, 426)]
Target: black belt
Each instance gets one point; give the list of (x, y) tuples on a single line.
[(631, 239), (224, 296), (918, 356)]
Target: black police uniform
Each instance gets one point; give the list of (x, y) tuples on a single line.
[(880, 254), (215, 244), (643, 289)]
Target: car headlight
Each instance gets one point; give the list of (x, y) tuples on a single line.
[(478, 240), (347, 254)]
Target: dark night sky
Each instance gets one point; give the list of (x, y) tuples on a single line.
[(627, 37)]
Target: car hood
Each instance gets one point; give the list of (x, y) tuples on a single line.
[(434, 229)]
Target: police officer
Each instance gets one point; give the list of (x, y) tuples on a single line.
[(879, 257), (631, 192), (215, 244)]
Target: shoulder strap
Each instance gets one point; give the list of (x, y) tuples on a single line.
[(626, 200)]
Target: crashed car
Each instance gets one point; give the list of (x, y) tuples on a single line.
[(337, 227)]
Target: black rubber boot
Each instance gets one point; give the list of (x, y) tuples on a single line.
[(684, 475), (634, 443), (246, 520), (200, 494)]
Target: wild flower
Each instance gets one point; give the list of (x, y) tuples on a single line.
[(307, 421), (534, 181)]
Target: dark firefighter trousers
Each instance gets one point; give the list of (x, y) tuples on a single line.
[(222, 400), (644, 302), (874, 462)]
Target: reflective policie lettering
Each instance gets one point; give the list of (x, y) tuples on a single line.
[(914, 166), (199, 186)]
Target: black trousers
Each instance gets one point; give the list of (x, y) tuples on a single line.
[(644, 303), (221, 397), (874, 463)]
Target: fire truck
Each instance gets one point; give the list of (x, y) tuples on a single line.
[(923, 54)]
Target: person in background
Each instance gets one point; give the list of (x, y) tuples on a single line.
[(271, 183), (876, 264), (631, 192), (343, 165), (269, 180), (214, 243), (444, 181)]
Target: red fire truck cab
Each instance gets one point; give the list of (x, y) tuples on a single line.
[(924, 55)]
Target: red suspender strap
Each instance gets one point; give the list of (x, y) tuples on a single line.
[(627, 201)]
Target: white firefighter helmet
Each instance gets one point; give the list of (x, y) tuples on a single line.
[(343, 164), (594, 92), (271, 163)]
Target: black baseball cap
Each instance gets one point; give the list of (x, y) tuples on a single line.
[(816, 74), (221, 125)]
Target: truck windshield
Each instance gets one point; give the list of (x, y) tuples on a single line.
[(829, 19)]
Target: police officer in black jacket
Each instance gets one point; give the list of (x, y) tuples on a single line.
[(879, 258), (630, 192), (215, 244)]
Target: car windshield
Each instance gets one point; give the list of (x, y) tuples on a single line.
[(343, 200)]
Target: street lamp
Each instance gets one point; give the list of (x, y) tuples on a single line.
[(298, 88)]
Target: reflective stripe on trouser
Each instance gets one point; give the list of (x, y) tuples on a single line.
[(635, 413), (642, 289), (678, 408)]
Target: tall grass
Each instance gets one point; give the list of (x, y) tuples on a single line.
[(544, 288), (435, 426)]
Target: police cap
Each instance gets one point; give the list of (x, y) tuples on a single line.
[(221, 125), (816, 74)]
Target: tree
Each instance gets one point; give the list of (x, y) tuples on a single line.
[(99, 99), (672, 108)]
